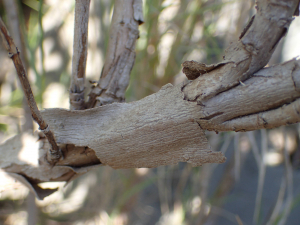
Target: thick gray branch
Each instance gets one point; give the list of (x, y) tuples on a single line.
[(268, 99), (246, 56)]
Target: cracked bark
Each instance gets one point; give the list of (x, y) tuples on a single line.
[(168, 126), (120, 54), (249, 54)]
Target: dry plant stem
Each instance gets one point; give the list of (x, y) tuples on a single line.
[(261, 176), (80, 47), (14, 54), (141, 134), (237, 158), (11, 10), (120, 54), (246, 56), (279, 203), (254, 147), (270, 98), (12, 13), (137, 134), (289, 184)]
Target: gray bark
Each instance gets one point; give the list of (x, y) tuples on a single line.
[(168, 126)]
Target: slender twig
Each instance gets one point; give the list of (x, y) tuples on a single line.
[(254, 147), (261, 176), (41, 47), (80, 47), (13, 52), (12, 14), (278, 205), (237, 158), (289, 184)]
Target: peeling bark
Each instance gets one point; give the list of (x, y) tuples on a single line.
[(157, 130), (246, 56), (270, 93), (164, 128)]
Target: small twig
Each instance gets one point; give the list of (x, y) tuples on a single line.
[(289, 185), (278, 204), (261, 176), (237, 158), (80, 47), (13, 52), (254, 148), (12, 15), (41, 47)]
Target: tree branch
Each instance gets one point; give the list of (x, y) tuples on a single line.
[(270, 98), (120, 54), (54, 153), (164, 128), (80, 47), (160, 129), (246, 56)]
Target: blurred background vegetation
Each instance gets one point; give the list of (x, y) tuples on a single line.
[(259, 183)]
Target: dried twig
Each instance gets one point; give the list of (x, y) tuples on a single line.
[(237, 158), (254, 148), (261, 176), (13, 52), (278, 204), (11, 10), (12, 13), (289, 184), (80, 48)]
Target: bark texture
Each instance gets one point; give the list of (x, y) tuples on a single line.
[(157, 130), (120, 54), (164, 128), (80, 47), (246, 56)]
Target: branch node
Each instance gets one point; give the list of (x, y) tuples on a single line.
[(46, 130)]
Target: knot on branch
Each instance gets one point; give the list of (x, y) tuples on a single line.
[(77, 100), (193, 69)]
